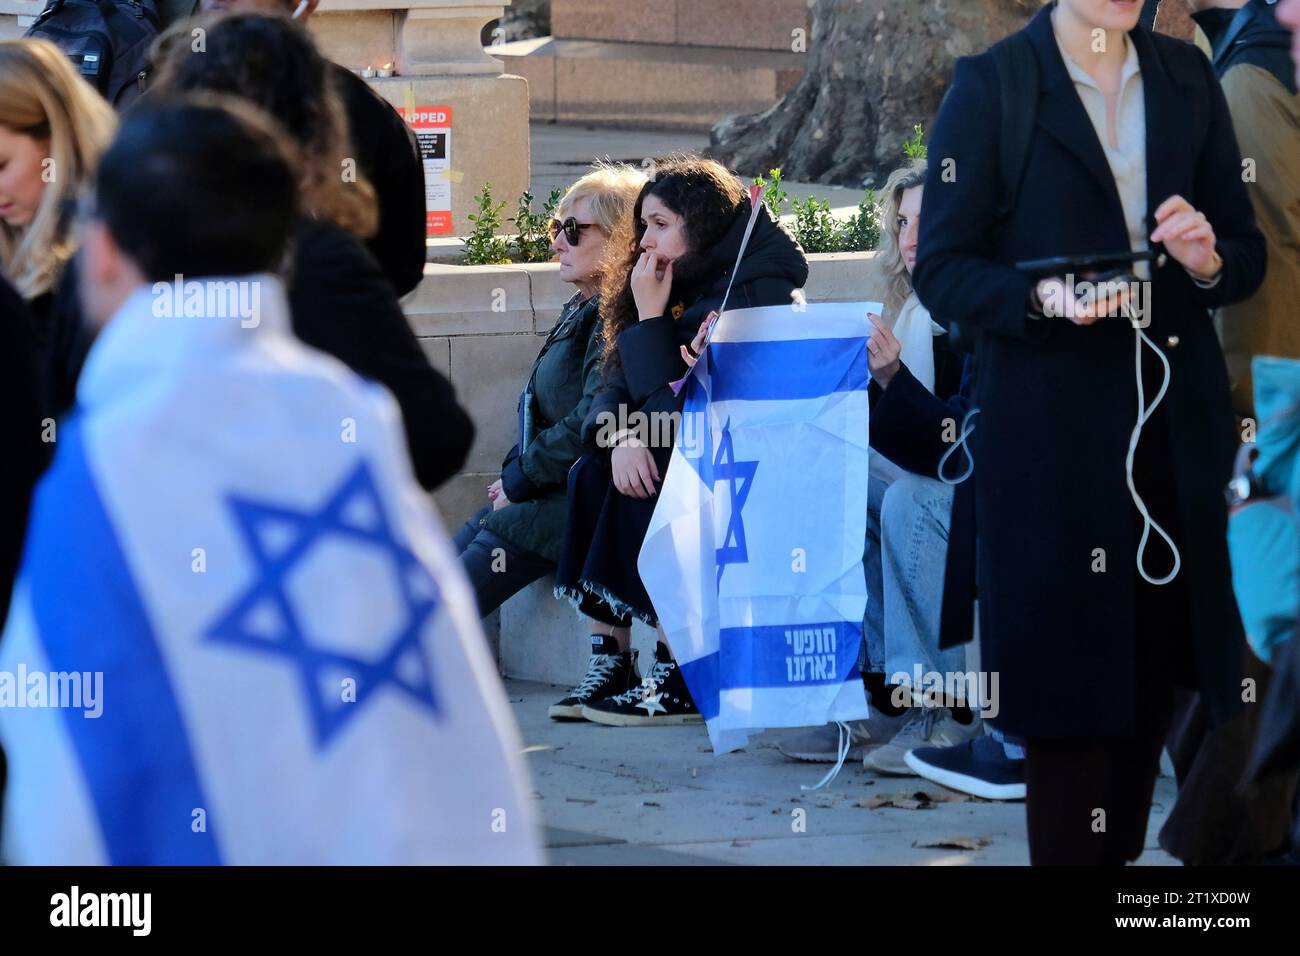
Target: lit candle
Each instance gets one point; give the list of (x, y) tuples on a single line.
[(386, 70), (368, 72)]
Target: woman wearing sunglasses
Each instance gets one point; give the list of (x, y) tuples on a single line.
[(515, 539), (670, 265)]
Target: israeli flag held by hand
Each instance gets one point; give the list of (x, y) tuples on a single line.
[(753, 558), (231, 545)]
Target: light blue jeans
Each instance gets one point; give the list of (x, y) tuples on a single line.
[(906, 552)]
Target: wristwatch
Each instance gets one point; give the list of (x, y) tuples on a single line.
[(1244, 486)]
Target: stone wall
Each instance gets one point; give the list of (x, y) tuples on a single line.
[(16, 16), (435, 47), (672, 64), (743, 24)]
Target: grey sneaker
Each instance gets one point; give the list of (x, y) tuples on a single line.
[(822, 744), (930, 727)]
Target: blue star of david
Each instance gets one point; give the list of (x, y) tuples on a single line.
[(726, 468), (355, 513), (695, 406)]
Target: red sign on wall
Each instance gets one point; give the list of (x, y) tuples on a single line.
[(432, 126)]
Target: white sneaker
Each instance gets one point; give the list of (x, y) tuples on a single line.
[(930, 727)]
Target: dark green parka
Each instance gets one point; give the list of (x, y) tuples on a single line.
[(534, 475)]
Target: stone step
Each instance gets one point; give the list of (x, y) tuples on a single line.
[(647, 85), (545, 639)]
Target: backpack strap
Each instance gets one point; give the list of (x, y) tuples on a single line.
[(1017, 67), (51, 8)]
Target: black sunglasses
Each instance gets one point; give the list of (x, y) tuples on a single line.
[(571, 228)]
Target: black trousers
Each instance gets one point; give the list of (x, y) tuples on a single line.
[(495, 581), (1088, 800)]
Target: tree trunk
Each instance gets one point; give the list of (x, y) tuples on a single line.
[(1175, 19), (522, 20), (876, 68)]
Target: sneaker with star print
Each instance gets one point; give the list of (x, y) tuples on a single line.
[(661, 700)]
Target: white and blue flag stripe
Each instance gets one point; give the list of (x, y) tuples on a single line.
[(753, 558)]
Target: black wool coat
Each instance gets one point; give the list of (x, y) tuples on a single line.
[(1058, 402), (23, 410), (914, 428), (388, 155)]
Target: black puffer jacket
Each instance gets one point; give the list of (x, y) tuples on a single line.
[(22, 411), (649, 353)]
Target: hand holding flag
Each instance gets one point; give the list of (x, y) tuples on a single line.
[(691, 353)]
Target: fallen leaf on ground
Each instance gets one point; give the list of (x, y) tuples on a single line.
[(895, 800), (945, 796), (912, 800), (954, 843)]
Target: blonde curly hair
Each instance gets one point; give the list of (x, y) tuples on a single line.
[(888, 259)]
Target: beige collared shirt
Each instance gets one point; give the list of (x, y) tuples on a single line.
[(1127, 153), (1127, 156)]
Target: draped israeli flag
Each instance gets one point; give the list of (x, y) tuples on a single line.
[(753, 558), (284, 661)]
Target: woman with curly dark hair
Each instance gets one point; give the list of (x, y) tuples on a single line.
[(670, 266)]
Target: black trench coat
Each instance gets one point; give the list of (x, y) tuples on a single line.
[(1058, 401)]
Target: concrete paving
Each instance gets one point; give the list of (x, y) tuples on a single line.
[(643, 796)]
